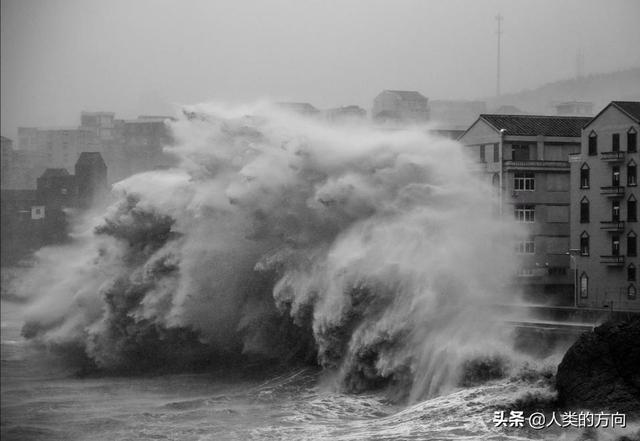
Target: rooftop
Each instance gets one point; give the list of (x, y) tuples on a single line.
[(54, 173), (90, 158), (631, 108), (535, 125), (407, 94)]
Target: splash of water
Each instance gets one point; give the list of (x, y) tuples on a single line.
[(373, 253)]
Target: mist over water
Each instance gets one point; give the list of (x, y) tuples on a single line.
[(373, 253)]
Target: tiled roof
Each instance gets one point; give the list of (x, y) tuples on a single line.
[(631, 108), (408, 94), (534, 125), (90, 158), (54, 173)]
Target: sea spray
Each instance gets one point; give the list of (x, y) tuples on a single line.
[(374, 253)]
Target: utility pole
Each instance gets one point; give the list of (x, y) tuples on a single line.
[(499, 18)]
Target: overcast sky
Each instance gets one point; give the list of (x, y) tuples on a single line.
[(138, 56)]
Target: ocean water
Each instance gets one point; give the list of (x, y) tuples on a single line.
[(43, 399)]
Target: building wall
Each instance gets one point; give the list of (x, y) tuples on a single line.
[(607, 284), (545, 269), (389, 105)]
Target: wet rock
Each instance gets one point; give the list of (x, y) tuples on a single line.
[(601, 371)]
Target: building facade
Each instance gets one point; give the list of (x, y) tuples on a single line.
[(526, 159), (400, 107), (604, 209)]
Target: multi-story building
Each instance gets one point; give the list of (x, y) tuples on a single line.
[(400, 107), (20, 168), (604, 209), (526, 158), (61, 145)]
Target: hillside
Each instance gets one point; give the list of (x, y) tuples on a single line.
[(599, 89)]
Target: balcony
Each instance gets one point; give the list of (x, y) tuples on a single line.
[(536, 165), (612, 225), (612, 191), (612, 260), (612, 156)]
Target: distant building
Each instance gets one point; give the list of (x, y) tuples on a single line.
[(345, 114), (604, 209), (127, 146), (91, 179), (525, 158), (300, 108), (61, 145), (574, 108), (400, 107), (20, 168), (508, 109), (22, 223)]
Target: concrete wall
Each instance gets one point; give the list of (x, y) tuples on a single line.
[(607, 284)]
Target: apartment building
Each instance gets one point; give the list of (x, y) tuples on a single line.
[(526, 159), (604, 209), (400, 107)]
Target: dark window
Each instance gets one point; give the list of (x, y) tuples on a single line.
[(631, 292), (632, 140), (520, 152), (615, 142), (632, 249), (584, 286), (632, 209), (496, 153), (615, 245), (631, 273), (593, 144), (524, 181), (584, 211), (632, 170), (615, 211), (525, 213), (615, 176), (584, 176), (482, 154), (584, 244)]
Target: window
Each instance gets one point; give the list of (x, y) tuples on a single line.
[(496, 153), (584, 286), (584, 244), (584, 176), (632, 140), (584, 210), (631, 292), (615, 142), (482, 154), (615, 211), (593, 143), (524, 181), (631, 273), (525, 213), (632, 209), (632, 171), (615, 245), (520, 152), (557, 271), (526, 247), (632, 247), (615, 176)]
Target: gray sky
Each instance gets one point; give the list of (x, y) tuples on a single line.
[(134, 56)]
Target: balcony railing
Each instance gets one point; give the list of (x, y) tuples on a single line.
[(612, 191), (612, 260), (528, 164), (612, 225), (612, 156)]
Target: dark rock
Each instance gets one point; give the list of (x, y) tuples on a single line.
[(601, 371)]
